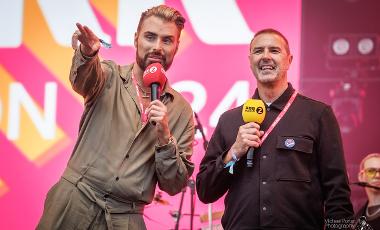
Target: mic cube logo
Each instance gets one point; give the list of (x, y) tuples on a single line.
[(260, 110), (150, 69), (252, 109), (153, 69)]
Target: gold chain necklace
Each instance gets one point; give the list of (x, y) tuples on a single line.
[(144, 93)]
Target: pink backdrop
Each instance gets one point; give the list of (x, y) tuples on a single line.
[(39, 112)]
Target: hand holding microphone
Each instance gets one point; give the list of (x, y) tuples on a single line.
[(155, 77), (253, 111)]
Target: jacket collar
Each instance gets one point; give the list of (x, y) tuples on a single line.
[(280, 102)]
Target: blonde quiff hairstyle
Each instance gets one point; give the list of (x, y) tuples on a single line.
[(166, 13)]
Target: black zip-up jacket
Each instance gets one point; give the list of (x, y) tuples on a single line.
[(302, 185)]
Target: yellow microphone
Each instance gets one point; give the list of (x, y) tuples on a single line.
[(253, 111)]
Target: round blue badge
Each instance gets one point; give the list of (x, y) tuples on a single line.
[(290, 143)]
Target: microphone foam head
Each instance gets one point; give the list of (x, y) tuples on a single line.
[(154, 73), (253, 111)]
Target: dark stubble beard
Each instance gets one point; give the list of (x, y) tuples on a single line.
[(143, 62)]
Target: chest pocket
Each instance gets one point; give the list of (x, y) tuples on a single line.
[(293, 158)]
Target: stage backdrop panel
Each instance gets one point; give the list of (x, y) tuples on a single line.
[(40, 113)]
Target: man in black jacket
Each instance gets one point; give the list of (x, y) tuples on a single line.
[(298, 179)]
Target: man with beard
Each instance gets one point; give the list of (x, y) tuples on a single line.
[(370, 173), (120, 155), (298, 179)]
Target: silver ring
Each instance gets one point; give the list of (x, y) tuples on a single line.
[(77, 33), (74, 40)]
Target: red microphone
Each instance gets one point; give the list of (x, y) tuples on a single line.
[(155, 78)]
